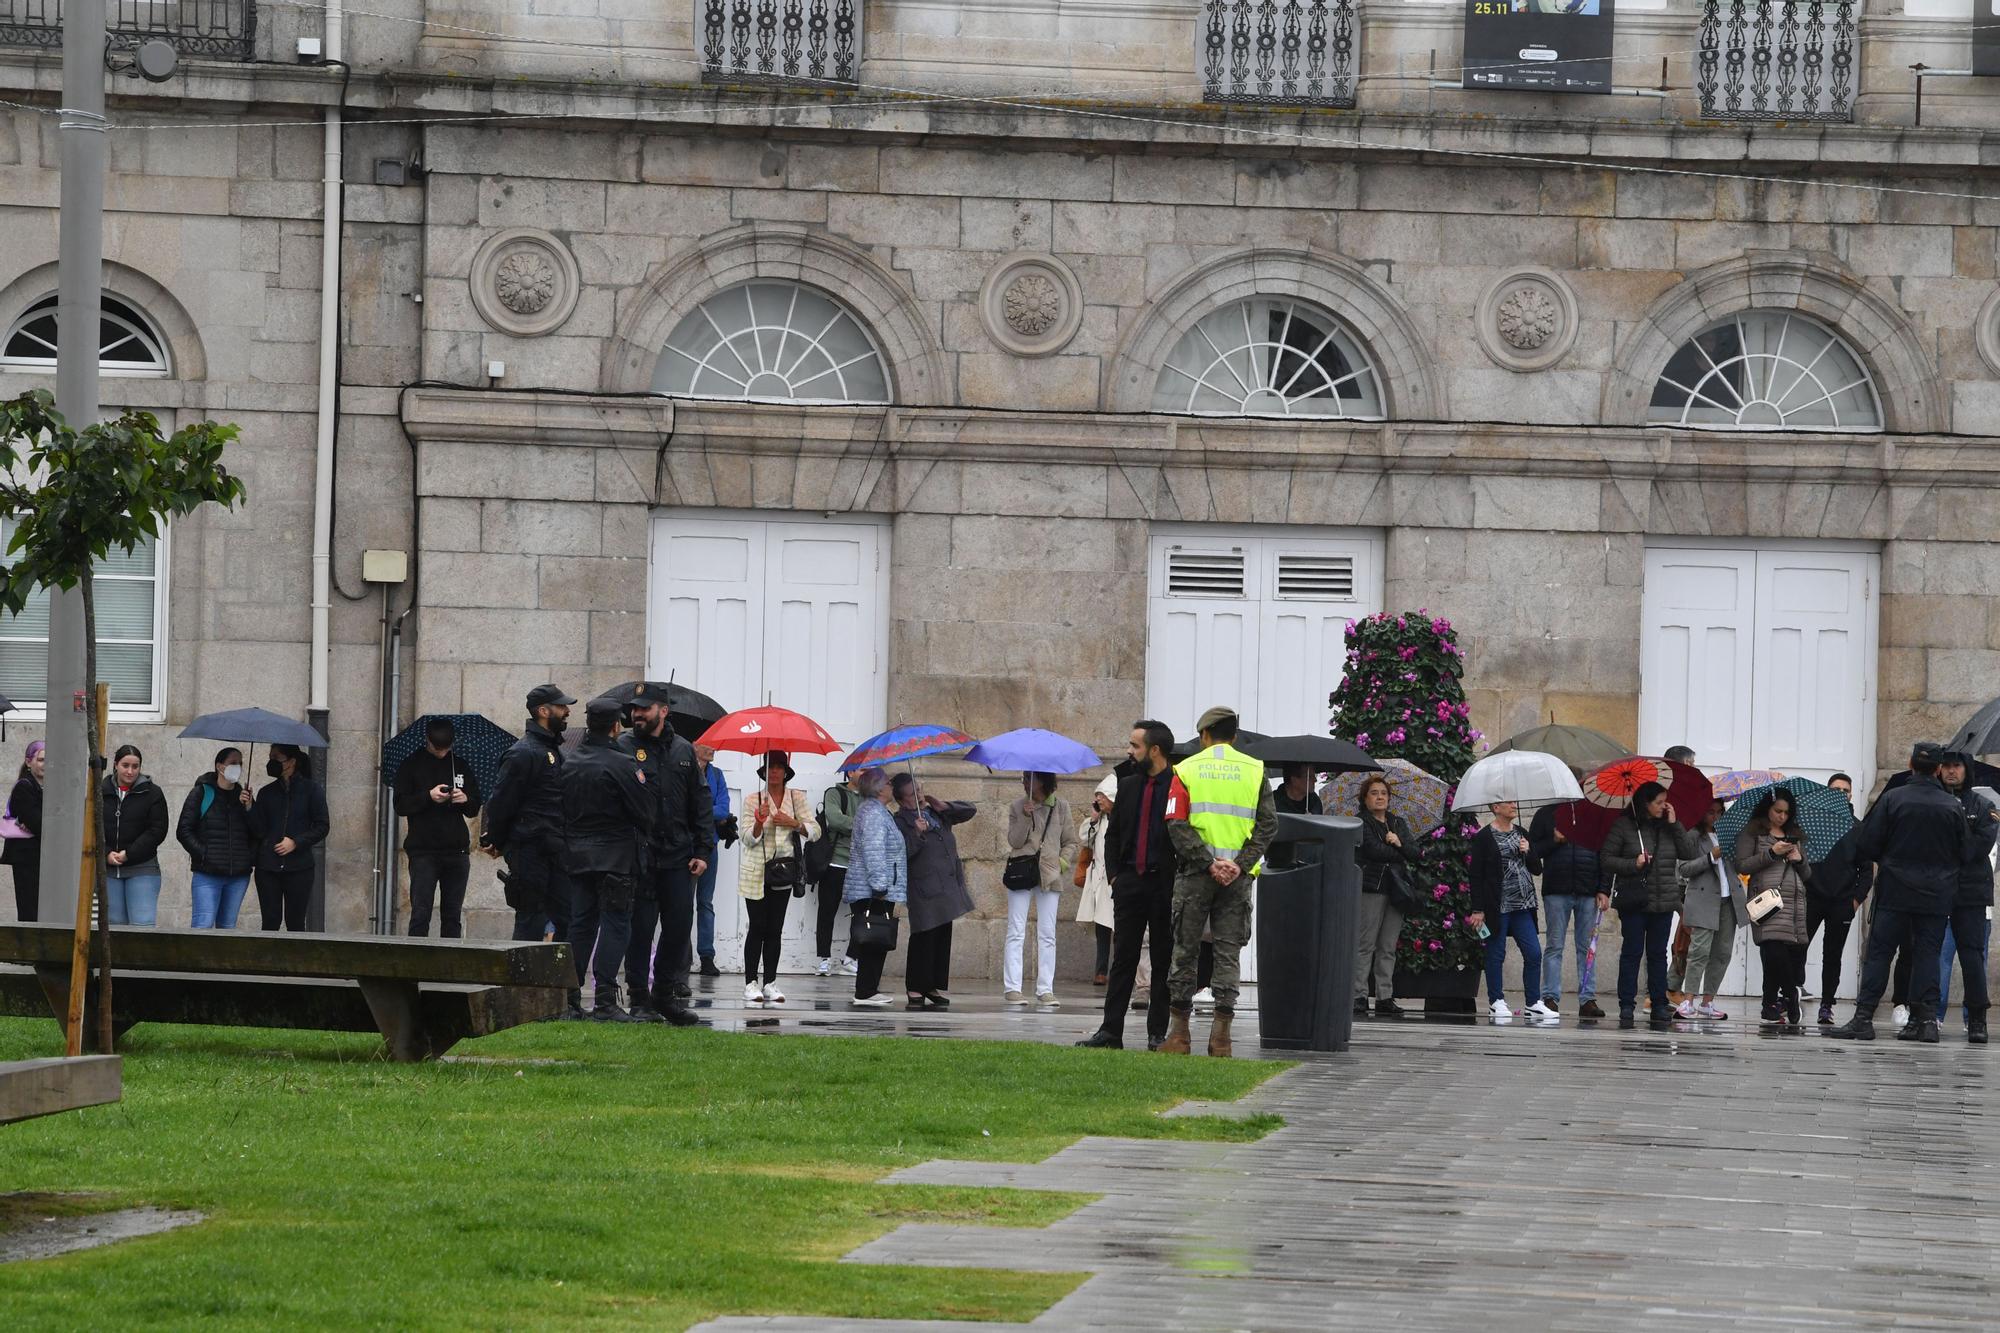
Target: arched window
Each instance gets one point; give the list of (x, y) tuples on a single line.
[(1269, 357), (1767, 370), (127, 343), (773, 342)]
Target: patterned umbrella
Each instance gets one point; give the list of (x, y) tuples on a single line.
[(1588, 823), (476, 743), (913, 740), (1414, 794), (1733, 784), (1612, 785), (1822, 812)]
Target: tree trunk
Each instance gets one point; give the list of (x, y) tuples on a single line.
[(93, 811)]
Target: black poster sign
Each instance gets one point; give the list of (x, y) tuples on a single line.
[(1986, 37), (1547, 46)]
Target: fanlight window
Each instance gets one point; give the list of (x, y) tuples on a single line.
[(1767, 370), (1266, 357), (126, 341), (773, 342)]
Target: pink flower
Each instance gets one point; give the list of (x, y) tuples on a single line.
[(1436, 946), (1395, 736), (1406, 653), (1362, 740), (1409, 675), (1438, 893)]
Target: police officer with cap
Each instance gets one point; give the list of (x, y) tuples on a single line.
[(1916, 836), (1972, 905), (524, 819), (673, 858), (610, 815)]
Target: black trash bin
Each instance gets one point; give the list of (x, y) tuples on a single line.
[(1306, 919)]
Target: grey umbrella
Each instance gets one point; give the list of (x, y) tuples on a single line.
[(1579, 747), (1980, 735)]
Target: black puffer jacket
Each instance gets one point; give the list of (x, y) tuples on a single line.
[(1657, 888), (135, 824), (1375, 853), (1568, 871), (214, 829)]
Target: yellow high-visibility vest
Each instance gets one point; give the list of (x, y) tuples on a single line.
[(1223, 787)]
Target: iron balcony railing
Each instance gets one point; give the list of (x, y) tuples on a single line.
[(215, 29), (807, 41), (1777, 60), (1285, 52)]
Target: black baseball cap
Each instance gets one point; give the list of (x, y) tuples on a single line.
[(603, 706), (1928, 753), (649, 692), (548, 694)]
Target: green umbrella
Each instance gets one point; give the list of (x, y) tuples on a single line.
[(1823, 814), (1579, 747)]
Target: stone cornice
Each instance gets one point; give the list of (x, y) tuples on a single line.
[(1102, 439)]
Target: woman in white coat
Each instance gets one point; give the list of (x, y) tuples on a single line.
[(1095, 904), (1041, 846)]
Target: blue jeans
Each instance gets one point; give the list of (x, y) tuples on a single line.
[(134, 901), (1944, 963), (704, 907), (1567, 913), (1643, 933), (1520, 927), (216, 900)]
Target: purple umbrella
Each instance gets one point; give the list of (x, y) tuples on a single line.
[(1032, 750), (911, 741)]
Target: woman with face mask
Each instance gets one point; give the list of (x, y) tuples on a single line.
[(288, 819), (214, 828), (135, 824), (23, 850)]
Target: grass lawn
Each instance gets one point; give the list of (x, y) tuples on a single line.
[(587, 1175)]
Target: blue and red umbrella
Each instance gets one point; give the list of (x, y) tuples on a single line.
[(912, 740)]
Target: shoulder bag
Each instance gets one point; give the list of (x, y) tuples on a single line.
[(785, 870), (819, 853), (12, 828), (1398, 888), (1085, 855), (1768, 903), (1629, 893), (1025, 872)]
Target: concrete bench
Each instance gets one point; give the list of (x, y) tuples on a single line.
[(29, 1088), (422, 995)]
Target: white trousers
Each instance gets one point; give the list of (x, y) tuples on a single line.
[(1046, 901)]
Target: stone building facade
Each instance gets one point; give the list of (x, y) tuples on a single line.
[(1029, 213)]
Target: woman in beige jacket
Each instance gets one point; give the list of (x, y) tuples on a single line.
[(776, 824), (1772, 852), (1038, 825)]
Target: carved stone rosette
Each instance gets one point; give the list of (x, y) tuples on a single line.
[(1527, 319), (524, 282), (1031, 304)]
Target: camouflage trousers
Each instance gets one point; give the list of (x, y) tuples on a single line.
[(1200, 904)]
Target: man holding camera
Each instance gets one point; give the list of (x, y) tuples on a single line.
[(437, 794)]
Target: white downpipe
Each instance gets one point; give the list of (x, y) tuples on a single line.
[(329, 335)]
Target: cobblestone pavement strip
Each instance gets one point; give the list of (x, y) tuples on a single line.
[(1470, 1176)]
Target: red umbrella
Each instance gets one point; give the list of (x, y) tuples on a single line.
[(1612, 786), (761, 730), (1587, 823)]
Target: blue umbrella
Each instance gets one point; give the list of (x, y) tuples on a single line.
[(478, 744), (1032, 750), (913, 740), (254, 726)]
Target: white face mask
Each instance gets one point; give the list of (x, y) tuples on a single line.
[(234, 773)]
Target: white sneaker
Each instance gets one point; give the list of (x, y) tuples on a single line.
[(1900, 1015), (823, 968), (1689, 1009), (1499, 1009), (1047, 999), (753, 994), (850, 968), (877, 1001), (772, 995), (1540, 1010), (1204, 996)]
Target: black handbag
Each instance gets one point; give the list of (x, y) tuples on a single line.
[(1398, 889), (870, 928), (819, 852), (1025, 872)]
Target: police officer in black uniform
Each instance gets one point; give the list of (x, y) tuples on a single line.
[(1974, 899), (609, 814), (1916, 836), (684, 819), (524, 819)]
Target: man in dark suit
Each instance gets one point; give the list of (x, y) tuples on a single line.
[(1916, 837), (1139, 862)]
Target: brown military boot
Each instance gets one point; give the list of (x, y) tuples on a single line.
[(1178, 1041), (1218, 1033)]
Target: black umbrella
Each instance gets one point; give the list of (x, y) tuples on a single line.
[(1981, 735), (1976, 775), (252, 725), (477, 743), (1244, 739), (689, 712), (1324, 754)]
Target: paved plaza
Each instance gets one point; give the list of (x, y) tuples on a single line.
[(1467, 1176)]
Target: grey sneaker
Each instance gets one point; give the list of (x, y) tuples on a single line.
[(1015, 997)]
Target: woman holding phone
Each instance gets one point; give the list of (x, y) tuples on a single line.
[(1771, 851)]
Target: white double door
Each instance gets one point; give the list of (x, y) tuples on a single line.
[(1763, 657), (794, 612), (1255, 618)]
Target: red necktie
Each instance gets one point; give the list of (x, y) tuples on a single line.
[(1145, 824)]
